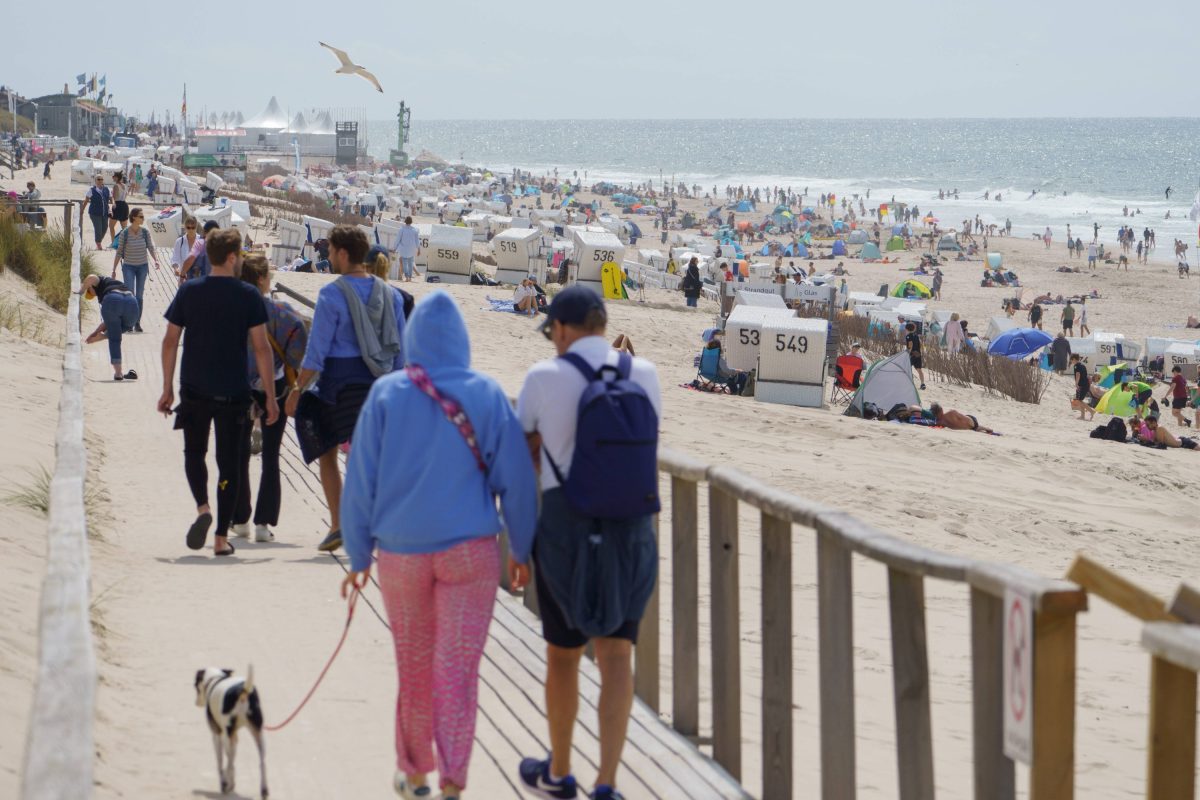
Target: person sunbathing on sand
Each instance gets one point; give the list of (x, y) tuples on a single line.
[(956, 420), (1162, 436)]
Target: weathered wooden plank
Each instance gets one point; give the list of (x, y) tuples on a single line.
[(1179, 644), (681, 465), (1171, 756), (685, 623), (777, 658), (995, 773), (835, 615), (1186, 604), (910, 679), (726, 630), (646, 654), (1052, 771), (1116, 589), (765, 498), (861, 538), (1048, 594)]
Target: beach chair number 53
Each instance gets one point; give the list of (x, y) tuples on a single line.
[(603, 255), (748, 336), (797, 344)]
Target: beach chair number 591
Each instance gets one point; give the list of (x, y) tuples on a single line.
[(797, 344)]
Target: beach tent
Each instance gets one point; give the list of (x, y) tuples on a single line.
[(895, 243), (950, 244), (1019, 343), (839, 247), (858, 237), (1121, 403), (885, 384), (911, 288), (897, 230), (839, 226), (870, 251), (995, 260), (998, 325), (744, 205), (1110, 373)]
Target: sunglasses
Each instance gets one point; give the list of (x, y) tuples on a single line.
[(547, 330)]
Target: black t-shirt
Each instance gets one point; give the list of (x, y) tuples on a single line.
[(1081, 376), (913, 340), (106, 285), (1035, 313), (216, 314)]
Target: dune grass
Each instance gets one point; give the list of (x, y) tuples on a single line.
[(43, 258), (35, 496)]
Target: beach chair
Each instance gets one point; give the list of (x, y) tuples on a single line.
[(847, 375), (708, 377)]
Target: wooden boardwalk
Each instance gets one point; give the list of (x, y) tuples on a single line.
[(658, 762)]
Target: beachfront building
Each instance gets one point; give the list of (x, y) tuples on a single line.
[(85, 121)]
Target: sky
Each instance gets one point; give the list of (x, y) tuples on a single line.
[(623, 59)]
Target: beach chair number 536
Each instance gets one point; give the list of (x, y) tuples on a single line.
[(603, 255), (797, 344)]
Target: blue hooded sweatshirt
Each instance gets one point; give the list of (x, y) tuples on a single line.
[(412, 484)]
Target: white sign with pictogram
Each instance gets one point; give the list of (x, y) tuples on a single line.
[(1018, 676)]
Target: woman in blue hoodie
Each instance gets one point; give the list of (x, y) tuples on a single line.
[(436, 444)]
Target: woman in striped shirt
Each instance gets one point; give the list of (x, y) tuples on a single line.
[(134, 256)]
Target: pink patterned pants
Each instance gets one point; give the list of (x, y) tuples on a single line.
[(440, 607)]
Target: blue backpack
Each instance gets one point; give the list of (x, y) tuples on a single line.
[(614, 471)]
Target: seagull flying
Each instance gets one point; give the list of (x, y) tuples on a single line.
[(348, 67)]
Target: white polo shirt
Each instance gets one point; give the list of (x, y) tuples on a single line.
[(549, 400)]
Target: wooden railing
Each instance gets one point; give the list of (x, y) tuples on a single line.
[(837, 538)]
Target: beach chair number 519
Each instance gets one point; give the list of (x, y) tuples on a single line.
[(797, 344)]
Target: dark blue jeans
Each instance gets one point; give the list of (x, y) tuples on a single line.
[(100, 226), (120, 313), (134, 276)]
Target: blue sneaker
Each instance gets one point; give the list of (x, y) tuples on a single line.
[(605, 792), (535, 778)]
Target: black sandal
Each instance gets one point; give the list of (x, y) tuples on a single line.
[(228, 552), (131, 376), (199, 531)]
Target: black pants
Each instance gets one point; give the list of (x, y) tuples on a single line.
[(266, 508), (229, 418)]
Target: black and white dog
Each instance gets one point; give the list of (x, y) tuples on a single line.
[(231, 703)]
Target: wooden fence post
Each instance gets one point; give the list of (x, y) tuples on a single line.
[(646, 654), (1171, 760), (835, 612), (1052, 773), (995, 774), (910, 679), (685, 623), (777, 657), (726, 638)]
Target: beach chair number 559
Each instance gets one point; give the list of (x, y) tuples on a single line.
[(449, 255), (797, 344)]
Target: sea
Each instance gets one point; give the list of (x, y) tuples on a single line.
[(1047, 172)]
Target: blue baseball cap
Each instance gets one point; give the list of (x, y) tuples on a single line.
[(374, 253), (571, 306)]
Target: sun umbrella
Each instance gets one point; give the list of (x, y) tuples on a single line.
[(1108, 373), (1019, 343), (1117, 402)]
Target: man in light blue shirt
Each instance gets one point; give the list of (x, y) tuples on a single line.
[(408, 245)]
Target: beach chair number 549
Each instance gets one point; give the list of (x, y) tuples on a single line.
[(797, 344)]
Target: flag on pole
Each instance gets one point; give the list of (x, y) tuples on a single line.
[(100, 97), (82, 91), (92, 85), (81, 78), (103, 80), (183, 109)]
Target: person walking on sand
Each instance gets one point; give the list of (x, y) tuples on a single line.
[(118, 313), (1068, 319), (1035, 315), (134, 256), (912, 343), (196, 264), (1084, 330), (408, 247), (691, 283), (437, 570), (591, 419), (182, 249), (219, 313), (1083, 388), (1178, 395), (98, 200), (288, 339), (357, 336), (120, 208)]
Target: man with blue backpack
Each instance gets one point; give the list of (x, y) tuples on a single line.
[(591, 418)]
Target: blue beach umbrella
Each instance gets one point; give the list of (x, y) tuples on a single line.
[(1019, 343)]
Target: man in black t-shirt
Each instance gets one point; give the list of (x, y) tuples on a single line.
[(912, 342), (218, 312), (1083, 388)]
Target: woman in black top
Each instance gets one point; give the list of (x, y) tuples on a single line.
[(118, 315), (691, 283)]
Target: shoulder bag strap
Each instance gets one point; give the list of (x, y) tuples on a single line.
[(453, 411)]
